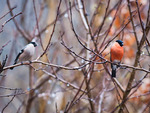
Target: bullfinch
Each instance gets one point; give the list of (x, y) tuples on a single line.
[(26, 53), (116, 54)]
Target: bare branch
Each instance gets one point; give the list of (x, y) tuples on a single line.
[(8, 21)]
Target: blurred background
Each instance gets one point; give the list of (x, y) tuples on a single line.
[(47, 89)]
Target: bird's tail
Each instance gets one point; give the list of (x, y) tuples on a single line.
[(114, 67), (113, 73), (17, 59)]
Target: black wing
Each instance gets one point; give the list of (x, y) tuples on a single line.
[(15, 62), (18, 56)]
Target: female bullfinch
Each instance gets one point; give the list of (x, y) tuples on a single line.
[(116, 54), (26, 53)]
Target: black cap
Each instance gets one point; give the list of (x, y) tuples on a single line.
[(34, 44), (120, 42)]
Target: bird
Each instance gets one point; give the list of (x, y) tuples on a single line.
[(116, 55), (26, 53)]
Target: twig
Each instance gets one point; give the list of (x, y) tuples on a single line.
[(45, 63), (132, 76), (119, 3), (132, 21), (85, 21), (37, 24), (3, 87), (22, 32), (73, 100), (101, 97), (63, 81), (53, 29), (8, 12), (118, 33), (9, 20), (1, 49), (8, 103), (59, 16), (101, 26), (85, 59), (3, 64)]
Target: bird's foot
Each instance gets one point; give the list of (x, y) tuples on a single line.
[(30, 62), (122, 67)]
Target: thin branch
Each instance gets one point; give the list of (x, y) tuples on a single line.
[(8, 104), (9, 20), (1, 49), (3, 87), (119, 3), (120, 31), (85, 21), (138, 54), (18, 93), (22, 32), (101, 26), (8, 12), (80, 5), (132, 21), (47, 64), (63, 81), (37, 24), (53, 29), (59, 16)]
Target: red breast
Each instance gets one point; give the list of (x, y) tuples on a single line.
[(116, 52)]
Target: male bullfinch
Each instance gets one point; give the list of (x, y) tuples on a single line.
[(26, 53), (116, 54)]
